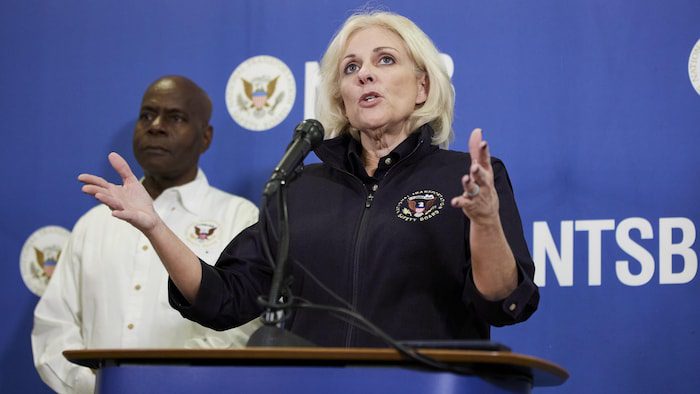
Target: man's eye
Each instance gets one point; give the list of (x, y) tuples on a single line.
[(178, 118), (146, 116), (350, 68)]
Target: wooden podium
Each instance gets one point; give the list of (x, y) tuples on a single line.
[(312, 370)]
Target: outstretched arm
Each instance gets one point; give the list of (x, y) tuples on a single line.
[(493, 266), (132, 203)]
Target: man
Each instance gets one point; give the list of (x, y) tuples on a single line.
[(109, 289)]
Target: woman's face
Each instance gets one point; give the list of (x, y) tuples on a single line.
[(379, 84)]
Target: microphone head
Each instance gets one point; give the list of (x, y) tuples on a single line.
[(310, 130)]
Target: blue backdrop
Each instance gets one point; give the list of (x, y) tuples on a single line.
[(590, 103)]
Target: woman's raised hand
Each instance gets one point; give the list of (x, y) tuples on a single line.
[(479, 202), (129, 201)]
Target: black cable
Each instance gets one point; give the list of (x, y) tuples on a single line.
[(282, 305), (321, 285), (282, 245), (367, 326)]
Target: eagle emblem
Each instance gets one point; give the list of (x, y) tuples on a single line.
[(260, 95), (40, 255), (46, 260), (420, 206), (203, 234)]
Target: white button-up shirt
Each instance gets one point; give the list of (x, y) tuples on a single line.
[(109, 289)]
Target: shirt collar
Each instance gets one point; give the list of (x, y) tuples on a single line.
[(190, 194)]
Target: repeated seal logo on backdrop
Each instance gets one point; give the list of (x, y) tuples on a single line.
[(694, 66), (260, 93), (39, 256), (203, 233), (420, 205)]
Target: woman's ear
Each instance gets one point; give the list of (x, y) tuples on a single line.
[(423, 88)]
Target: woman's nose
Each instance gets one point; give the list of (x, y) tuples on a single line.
[(365, 75)]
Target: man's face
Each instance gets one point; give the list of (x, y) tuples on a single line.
[(171, 131)]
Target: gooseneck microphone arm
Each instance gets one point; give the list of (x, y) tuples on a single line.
[(307, 136)]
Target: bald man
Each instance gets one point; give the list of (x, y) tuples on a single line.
[(109, 289)]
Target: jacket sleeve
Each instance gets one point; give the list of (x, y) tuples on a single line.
[(523, 301), (57, 326), (228, 291), (243, 215)]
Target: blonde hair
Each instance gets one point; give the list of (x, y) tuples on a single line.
[(438, 109)]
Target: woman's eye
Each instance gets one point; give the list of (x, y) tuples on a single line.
[(386, 60), (350, 68)]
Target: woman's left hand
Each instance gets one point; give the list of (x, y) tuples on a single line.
[(479, 202)]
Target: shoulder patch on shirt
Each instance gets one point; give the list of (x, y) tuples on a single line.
[(203, 233), (420, 206)]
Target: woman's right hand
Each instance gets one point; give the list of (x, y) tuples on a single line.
[(129, 201)]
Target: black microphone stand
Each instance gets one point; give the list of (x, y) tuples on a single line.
[(272, 333)]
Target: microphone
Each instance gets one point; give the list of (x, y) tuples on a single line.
[(307, 136)]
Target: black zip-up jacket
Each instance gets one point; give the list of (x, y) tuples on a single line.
[(398, 252)]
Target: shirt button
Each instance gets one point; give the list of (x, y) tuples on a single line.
[(144, 247), (172, 208), (387, 161), (130, 326), (137, 287), (375, 187), (512, 307)]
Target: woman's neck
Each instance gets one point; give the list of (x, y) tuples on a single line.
[(377, 144)]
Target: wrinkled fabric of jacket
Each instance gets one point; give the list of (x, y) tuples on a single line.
[(398, 254)]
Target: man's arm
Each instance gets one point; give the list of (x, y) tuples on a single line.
[(58, 326)]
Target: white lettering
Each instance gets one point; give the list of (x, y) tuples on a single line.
[(667, 249), (638, 270), (544, 247), (645, 259), (449, 64), (312, 77), (595, 230)]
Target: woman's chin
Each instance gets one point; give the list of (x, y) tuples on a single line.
[(381, 126)]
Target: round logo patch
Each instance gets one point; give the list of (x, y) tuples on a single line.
[(39, 256), (420, 206), (203, 233), (260, 93), (694, 66)]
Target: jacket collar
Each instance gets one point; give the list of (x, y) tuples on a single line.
[(336, 151)]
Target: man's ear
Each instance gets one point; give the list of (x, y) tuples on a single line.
[(206, 138)]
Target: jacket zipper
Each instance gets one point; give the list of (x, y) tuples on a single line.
[(359, 238), (356, 261)]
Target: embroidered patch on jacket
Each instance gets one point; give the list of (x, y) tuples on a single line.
[(420, 205), (203, 233)]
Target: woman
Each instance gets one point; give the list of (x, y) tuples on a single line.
[(371, 222)]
